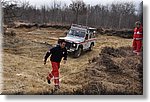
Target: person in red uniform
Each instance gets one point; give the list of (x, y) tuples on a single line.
[(137, 38), (57, 53)]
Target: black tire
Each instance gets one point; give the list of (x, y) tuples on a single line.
[(77, 53), (91, 47)]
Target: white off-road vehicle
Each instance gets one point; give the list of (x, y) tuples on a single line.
[(79, 38)]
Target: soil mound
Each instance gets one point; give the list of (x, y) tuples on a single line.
[(114, 71)]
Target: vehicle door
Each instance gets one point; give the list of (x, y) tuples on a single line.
[(86, 42)]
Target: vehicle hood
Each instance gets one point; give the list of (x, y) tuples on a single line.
[(73, 39)]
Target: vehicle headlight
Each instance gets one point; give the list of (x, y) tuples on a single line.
[(74, 45)]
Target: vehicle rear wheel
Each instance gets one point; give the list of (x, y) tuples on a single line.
[(77, 53)]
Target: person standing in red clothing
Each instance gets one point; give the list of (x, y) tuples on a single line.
[(57, 53), (137, 38)]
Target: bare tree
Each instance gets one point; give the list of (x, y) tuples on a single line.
[(116, 16), (78, 7), (141, 12), (12, 11)]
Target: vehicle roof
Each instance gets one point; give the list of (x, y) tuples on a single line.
[(92, 28), (82, 27)]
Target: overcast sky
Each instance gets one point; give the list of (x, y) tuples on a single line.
[(38, 3)]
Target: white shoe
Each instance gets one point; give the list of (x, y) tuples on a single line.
[(138, 53), (134, 51)]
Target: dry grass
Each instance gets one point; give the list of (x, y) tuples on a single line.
[(24, 72), (115, 71)]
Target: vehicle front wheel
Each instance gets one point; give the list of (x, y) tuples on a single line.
[(77, 53)]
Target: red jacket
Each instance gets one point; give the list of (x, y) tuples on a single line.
[(138, 33)]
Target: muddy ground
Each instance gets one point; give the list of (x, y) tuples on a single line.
[(111, 68)]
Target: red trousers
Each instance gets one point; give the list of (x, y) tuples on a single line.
[(55, 72), (137, 45)]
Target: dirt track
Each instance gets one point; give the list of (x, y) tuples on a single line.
[(24, 72)]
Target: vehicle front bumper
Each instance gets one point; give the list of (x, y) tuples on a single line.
[(71, 50)]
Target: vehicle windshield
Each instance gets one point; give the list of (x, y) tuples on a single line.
[(76, 33)]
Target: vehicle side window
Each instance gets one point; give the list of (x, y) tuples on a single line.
[(91, 35), (86, 37)]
